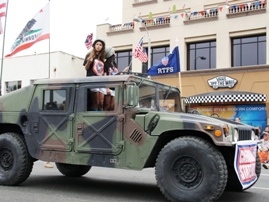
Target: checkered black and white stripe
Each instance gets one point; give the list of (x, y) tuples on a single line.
[(253, 97)]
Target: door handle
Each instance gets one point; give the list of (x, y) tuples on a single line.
[(35, 127)]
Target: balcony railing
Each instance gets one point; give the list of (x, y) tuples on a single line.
[(156, 21), (148, 23), (209, 13), (247, 7), (122, 27), (233, 10), (144, 1)]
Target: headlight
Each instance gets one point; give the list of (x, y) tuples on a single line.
[(236, 135), (253, 135)]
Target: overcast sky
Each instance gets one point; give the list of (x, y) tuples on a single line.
[(70, 23)]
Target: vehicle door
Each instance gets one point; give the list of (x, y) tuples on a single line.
[(51, 116), (98, 132)]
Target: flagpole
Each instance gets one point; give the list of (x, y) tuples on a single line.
[(130, 68), (3, 49), (49, 59), (136, 19), (49, 44), (179, 73)]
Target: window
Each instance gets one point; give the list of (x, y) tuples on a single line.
[(168, 99), (12, 85), (54, 100), (158, 53), (100, 98), (158, 97), (249, 51), (123, 59), (147, 96), (201, 55)]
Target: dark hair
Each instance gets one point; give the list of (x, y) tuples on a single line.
[(111, 61), (98, 41), (101, 55)]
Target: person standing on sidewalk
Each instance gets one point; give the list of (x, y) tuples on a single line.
[(265, 130), (264, 150)]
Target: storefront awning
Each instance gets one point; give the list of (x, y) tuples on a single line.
[(226, 96)]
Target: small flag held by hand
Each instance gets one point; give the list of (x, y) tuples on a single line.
[(88, 41), (140, 53)]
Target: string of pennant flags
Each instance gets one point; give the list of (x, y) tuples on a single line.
[(212, 11), (204, 13), (249, 5), (130, 25)]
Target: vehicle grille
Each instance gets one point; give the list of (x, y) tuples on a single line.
[(244, 134)]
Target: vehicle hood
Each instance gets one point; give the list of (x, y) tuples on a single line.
[(17, 101), (185, 121)]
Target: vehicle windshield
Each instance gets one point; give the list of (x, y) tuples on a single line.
[(158, 97)]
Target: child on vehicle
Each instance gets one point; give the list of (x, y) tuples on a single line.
[(94, 65)]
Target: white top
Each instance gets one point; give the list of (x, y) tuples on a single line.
[(264, 146)]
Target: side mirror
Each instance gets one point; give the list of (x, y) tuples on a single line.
[(132, 95)]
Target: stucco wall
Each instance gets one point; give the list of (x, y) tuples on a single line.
[(40, 66)]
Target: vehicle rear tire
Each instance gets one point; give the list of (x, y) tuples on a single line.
[(16, 164), (191, 169), (70, 170)]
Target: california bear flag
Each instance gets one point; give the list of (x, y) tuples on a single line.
[(37, 29)]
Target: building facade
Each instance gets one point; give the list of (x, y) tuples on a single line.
[(21, 71), (223, 51)]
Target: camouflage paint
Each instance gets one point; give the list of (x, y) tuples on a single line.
[(109, 139)]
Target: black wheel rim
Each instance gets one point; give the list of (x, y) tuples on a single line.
[(187, 172), (6, 159)]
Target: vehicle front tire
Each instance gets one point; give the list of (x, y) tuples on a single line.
[(70, 170), (191, 169), (15, 162)]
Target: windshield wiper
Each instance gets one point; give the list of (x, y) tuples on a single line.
[(167, 93)]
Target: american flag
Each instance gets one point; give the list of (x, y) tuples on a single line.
[(88, 41), (2, 13), (140, 53)]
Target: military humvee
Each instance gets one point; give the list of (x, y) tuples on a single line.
[(195, 157)]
